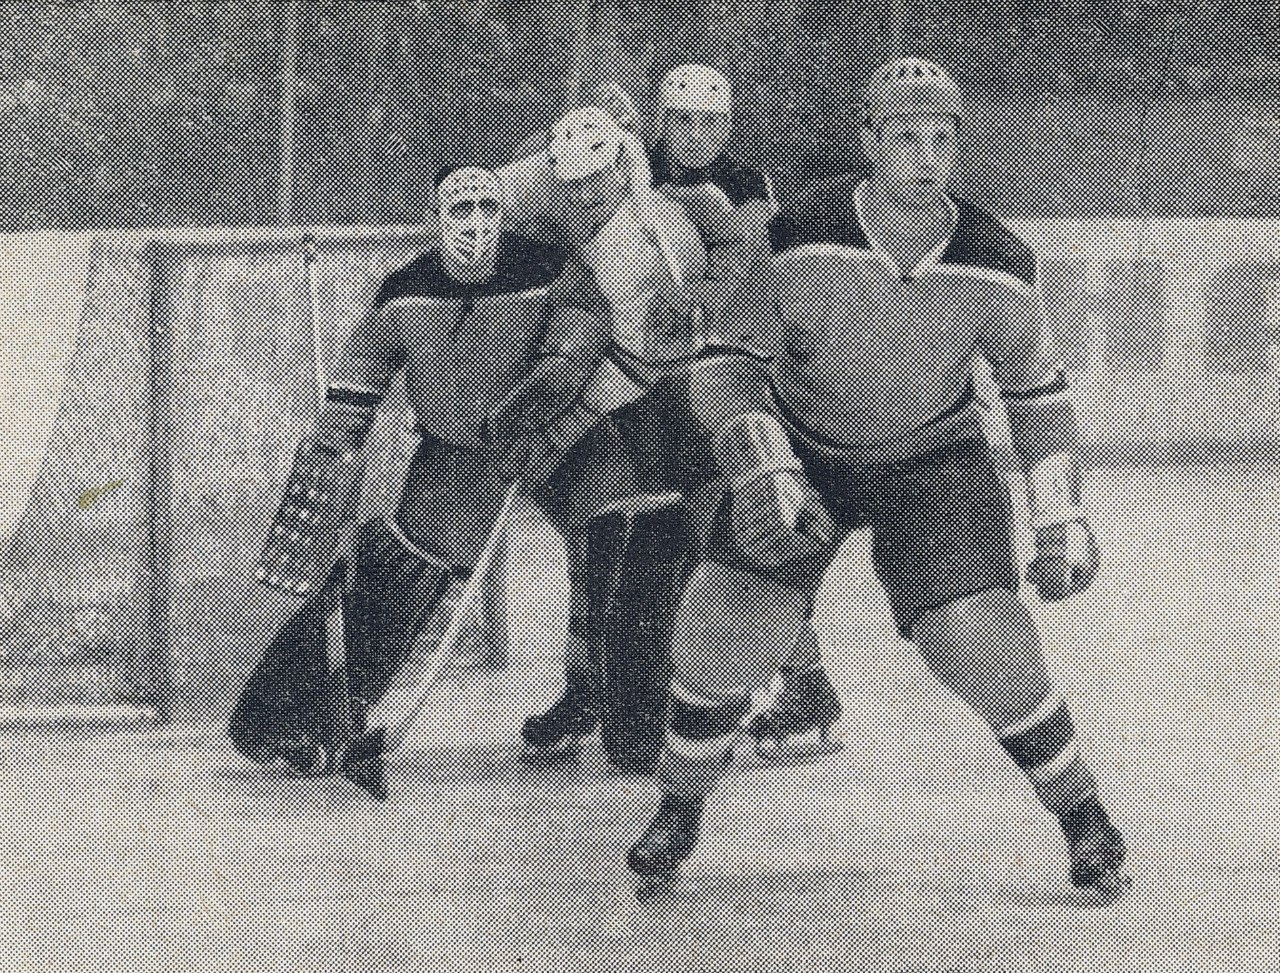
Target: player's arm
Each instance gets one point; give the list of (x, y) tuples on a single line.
[(1045, 436), (571, 350), (323, 489)]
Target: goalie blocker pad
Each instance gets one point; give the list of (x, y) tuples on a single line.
[(311, 523), (641, 553)]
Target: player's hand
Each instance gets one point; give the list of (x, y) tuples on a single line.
[(1066, 560), (708, 208), (779, 517), (612, 98)]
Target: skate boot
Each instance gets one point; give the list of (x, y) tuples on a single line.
[(557, 733), (1097, 850), (669, 839), (304, 758), (807, 703)]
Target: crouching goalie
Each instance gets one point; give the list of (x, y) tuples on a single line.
[(462, 323)]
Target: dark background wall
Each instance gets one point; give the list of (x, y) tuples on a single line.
[(125, 114)]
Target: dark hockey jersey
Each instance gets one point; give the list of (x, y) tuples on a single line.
[(878, 359), (738, 182), (462, 346)]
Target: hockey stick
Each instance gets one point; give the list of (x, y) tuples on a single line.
[(388, 721), (335, 637)]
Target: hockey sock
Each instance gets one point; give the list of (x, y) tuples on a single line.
[(699, 741), (1044, 745)]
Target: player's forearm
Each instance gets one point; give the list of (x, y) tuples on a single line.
[(1045, 435)]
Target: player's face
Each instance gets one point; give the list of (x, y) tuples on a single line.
[(912, 155), (469, 230), (696, 138), (590, 202)]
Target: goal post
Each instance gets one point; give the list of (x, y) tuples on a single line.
[(126, 582)]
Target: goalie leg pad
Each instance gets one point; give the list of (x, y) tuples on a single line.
[(640, 553), (289, 701), (395, 591)]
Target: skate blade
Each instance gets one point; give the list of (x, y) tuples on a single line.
[(796, 751), (1109, 888)]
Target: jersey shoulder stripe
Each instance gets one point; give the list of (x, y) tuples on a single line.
[(523, 264), (983, 243), (824, 214), (740, 183)]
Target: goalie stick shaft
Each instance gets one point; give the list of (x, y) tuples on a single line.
[(396, 712)]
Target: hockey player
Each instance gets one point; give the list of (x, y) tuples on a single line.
[(861, 413), (635, 256), (732, 205), (728, 201), (461, 322)]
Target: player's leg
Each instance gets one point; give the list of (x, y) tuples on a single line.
[(732, 629), (944, 550), (595, 473), (643, 550)]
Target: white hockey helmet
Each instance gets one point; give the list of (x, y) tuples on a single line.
[(469, 233), (910, 86), (584, 142), (695, 88)]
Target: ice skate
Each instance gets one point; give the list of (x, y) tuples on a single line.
[(558, 733), (304, 758), (1097, 852), (666, 844), (797, 727)]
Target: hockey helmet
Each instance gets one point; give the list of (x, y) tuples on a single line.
[(695, 88), (910, 86), (584, 142), (470, 201)]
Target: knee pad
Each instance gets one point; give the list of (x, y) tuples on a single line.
[(640, 552)]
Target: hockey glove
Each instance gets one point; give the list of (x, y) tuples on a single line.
[(1067, 555), (775, 515), (1066, 560), (312, 526)]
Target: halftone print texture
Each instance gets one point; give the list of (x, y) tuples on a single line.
[(874, 744)]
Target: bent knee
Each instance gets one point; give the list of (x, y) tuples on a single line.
[(994, 613)]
